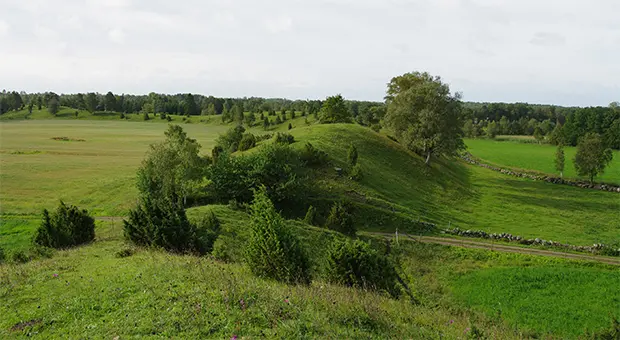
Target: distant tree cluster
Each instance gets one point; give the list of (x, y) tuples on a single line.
[(552, 124)]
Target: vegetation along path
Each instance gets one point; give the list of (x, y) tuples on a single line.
[(504, 248)]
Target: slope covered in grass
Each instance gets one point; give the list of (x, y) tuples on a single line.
[(469, 197), (536, 157)]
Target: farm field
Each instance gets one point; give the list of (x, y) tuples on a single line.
[(536, 157)]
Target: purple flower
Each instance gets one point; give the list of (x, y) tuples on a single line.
[(451, 321), (234, 337), (55, 275), (466, 330), (286, 301)]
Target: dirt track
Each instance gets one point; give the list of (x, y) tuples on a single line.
[(474, 244), (504, 248)]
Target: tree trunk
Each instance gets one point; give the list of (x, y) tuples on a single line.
[(428, 157)]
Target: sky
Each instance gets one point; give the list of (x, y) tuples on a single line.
[(563, 52)]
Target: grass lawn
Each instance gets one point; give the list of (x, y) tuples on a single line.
[(538, 157)]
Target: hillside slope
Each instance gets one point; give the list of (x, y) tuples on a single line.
[(452, 193)]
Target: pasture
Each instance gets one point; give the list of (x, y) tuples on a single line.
[(535, 157)]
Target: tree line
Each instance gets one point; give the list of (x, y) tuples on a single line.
[(548, 123)]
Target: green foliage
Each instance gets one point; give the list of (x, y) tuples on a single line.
[(339, 219), (312, 156), (273, 250), (161, 222), (492, 129), (207, 232), (357, 264), (68, 226), (266, 123), (247, 142), (423, 114), (284, 138), (352, 155), (2, 255), (356, 173), (53, 106), (290, 126), (310, 217), (145, 116), (168, 118), (19, 256), (559, 159), (592, 156), (538, 134), (230, 140), (122, 116), (334, 110)]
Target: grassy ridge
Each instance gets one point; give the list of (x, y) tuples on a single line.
[(537, 157)]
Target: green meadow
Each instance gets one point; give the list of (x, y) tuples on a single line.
[(535, 157)]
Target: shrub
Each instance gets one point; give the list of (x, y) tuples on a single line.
[(312, 156), (357, 264), (356, 173), (340, 220), (19, 256), (290, 126), (230, 140), (162, 116), (161, 223), (273, 251), (122, 116), (207, 232), (352, 155), (125, 252), (284, 138), (43, 252), (2, 255), (310, 217), (247, 142), (66, 227), (375, 127), (168, 118), (263, 137), (221, 250), (145, 116)]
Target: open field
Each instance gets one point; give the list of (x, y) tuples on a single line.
[(98, 174), (537, 157)]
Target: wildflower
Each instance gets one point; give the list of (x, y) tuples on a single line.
[(451, 321), (242, 303), (466, 330), (234, 337), (286, 301), (55, 275)]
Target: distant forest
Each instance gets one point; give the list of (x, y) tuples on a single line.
[(549, 123)]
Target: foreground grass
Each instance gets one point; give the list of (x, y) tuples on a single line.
[(76, 295), (537, 157)]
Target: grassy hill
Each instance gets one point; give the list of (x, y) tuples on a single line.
[(109, 288)]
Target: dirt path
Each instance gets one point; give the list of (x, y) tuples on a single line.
[(504, 248)]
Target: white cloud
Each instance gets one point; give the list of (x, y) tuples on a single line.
[(554, 51), (116, 35)]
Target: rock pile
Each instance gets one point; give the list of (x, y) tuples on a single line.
[(596, 248)]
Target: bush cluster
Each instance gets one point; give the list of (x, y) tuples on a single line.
[(230, 140), (68, 226), (357, 264), (312, 156), (247, 142), (273, 251), (284, 138), (339, 219)]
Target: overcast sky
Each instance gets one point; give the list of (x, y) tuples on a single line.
[(563, 52)]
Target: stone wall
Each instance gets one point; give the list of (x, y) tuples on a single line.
[(550, 179)]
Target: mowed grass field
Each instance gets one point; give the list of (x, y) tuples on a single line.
[(537, 157)]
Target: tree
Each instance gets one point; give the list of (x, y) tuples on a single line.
[(266, 123), (189, 105), (334, 110), (592, 156), (68, 226), (273, 250), (340, 220), (52, 106), (352, 155), (504, 126), (538, 134), (492, 129), (559, 160), (90, 101), (423, 114), (290, 126), (172, 166), (109, 102)]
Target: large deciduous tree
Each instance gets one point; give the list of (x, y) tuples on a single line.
[(424, 115), (592, 156), (189, 105), (90, 101), (109, 102), (334, 110)]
